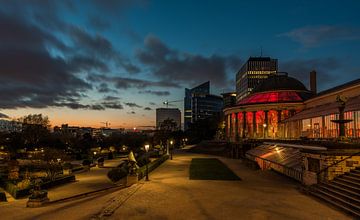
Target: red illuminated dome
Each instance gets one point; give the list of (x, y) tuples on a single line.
[(278, 89)]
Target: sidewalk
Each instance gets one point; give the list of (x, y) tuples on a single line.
[(259, 195)]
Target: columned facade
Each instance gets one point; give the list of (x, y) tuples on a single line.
[(260, 121)]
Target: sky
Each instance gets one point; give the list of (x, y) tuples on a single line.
[(87, 62)]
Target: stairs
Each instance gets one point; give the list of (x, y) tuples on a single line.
[(342, 192)]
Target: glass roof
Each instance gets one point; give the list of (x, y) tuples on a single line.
[(271, 97)]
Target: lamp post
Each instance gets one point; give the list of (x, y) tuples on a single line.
[(264, 125), (171, 151), (147, 169)]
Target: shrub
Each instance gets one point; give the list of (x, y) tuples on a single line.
[(142, 160), (110, 156), (67, 166), (15, 191), (86, 162), (2, 196), (117, 174), (100, 160)]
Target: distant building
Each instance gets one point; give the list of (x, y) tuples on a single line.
[(10, 126), (200, 104), (168, 113), (229, 99), (253, 73)]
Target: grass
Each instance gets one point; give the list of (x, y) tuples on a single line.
[(210, 169)]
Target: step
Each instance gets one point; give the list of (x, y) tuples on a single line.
[(339, 199), (354, 198), (351, 178), (347, 186), (334, 203), (342, 189), (350, 182), (353, 174), (357, 170)]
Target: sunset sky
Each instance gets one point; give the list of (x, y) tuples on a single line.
[(90, 61)]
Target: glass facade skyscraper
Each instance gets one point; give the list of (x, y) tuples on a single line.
[(200, 104)]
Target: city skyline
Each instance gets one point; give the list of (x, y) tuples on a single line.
[(86, 62)]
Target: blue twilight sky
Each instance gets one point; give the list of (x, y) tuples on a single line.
[(90, 61)]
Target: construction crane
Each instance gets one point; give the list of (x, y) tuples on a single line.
[(167, 102), (105, 123)]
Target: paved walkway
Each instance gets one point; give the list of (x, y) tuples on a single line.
[(171, 195), (260, 195)]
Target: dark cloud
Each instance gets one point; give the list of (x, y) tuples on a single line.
[(132, 105), (152, 103), (2, 115), (300, 69), (112, 105), (312, 36), (147, 108), (111, 98), (132, 112), (173, 66), (32, 77), (126, 83), (158, 93), (101, 47), (104, 88)]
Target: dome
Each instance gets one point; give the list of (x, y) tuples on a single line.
[(277, 89), (280, 82)]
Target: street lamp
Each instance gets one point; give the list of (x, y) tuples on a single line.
[(171, 151), (264, 125), (147, 169)]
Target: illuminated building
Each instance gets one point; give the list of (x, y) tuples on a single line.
[(229, 99), (200, 104), (163, 114), (282, 108), (252, 73)]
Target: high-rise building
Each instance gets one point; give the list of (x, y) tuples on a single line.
[(200, 104), (252, 73), (229, 99), (163, 114)]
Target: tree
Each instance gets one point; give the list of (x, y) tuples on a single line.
[(34, 127), (51, 161), (166, 131)]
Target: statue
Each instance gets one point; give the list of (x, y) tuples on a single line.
[(132, 177), (341, 121), (133, 167)]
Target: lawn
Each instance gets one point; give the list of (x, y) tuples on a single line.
[(210, 169)]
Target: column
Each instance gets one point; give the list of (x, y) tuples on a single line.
[(226, 126), (244, 125), (279, 125), (278, 116), (231, 127), (254, 124), (266, 122), (236, 127)]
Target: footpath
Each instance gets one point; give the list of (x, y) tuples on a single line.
[(171, 195)]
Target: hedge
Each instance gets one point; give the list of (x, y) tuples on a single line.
[(59, 181), (2, 196), (20, 193), (151, 166)]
